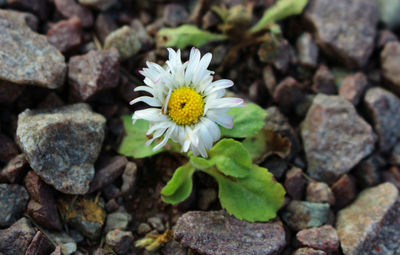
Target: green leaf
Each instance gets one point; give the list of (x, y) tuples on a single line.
[(256, 197), (201, 163), (247, 121), (134, 142), (180, 185), (185, 35), (281, 10), (231, 158)]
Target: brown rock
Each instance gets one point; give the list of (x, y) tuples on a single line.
[(323, 238), (392, 175), (57, 251), (107, 174), (66, 35), (295, 183), (39, 7), (42, 206), (384, 37), (289, 94), (129, 179), (15, 169), (319, 192), (324, 82), (8, 149), (120, 241), (104, 26), (69, 9), (39, 245), (367, 173), (9, 92), (174, 15), (93, 72), (390, 61), (16, 239), (353, 87), (344, 190)]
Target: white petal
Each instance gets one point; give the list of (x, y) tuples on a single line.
[(221, 118), (213, 129), (217, 85), (161, 125), (227, 102), (194, 60), (152, 101), (150, 114), (165, 140)]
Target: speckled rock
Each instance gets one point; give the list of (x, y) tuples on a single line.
[(93, 72), (66, 35), (13, 200), (70, 8), (371, 224), (117, 220), (307, 50), (101, 5), (300, 215), (216, 233), (323, 238), (319, 192), (390, 62), (124, 40), (40, 245), (62, 144), (26, 57), (23, 18), (295, 183), (324, 81), (308, 251), (335, 138), (383, 110), (344, 30), (353, 87), (119, 241), (173, 248), (66, 245), (16, 239), (345, 190)]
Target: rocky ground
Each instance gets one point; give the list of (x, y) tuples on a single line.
[(67, 72)]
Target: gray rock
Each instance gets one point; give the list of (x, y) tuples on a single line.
[(13, 200), (117, 220), (319, 192), (101, 5), (174, 15), (384, 37), (367, 173), (353, 87), (65, 243), (156, 223), (104, 26), (371, 224), (70, 8), (383, 110), (344, 30), (16, 239), (395, 155), (308, 251), (389, 10), (344, 190), (62, 144), (143, 228), (307, 50), (26, 57), (119, 241), (390, 62), (335, 137), (300, 215), (129, 179), (173, 248), (323, 238), (124, 40), (295, 183), (216, 233)]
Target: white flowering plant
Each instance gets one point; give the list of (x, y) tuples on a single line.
[(188, 108)]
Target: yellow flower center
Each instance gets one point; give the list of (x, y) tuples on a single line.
[(185, 106)]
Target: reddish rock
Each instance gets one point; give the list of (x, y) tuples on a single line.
[(295, 183), (344, 190), (289, 94), (353, 87), (39, 245), (69, 9), (39, 7), (15, 169), (16, 239), (92, 73), (319, 192), (66, 35), (107, 174), (42, 206), (323, 238), (384, 37), (308, 251), (324, 82), (8, 149)]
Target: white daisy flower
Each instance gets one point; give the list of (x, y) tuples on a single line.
[(186, 104)]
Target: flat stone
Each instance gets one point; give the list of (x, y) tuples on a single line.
[(70, 8), (371, 224), (120, 241), (319, 192), (66, 35), (62, 144), (295, 183), (101, 5), (13, 200), (307, 50), (16, 239), (345, 190), (217, 233), (335, 137), (323, 238), (300, 215), (27, 57), (344, 30), (390, 63), (383, 110), (124, 40), (308, 251), (353, 87), (324, 81), (40, 245), (42, 207)]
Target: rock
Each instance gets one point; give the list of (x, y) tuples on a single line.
[(269, 79), (307, 51), (108, 173), (388, 10), (39, 245), (353, 87), (217, 233), (382, 108), (392, 175), (124, 40), (92, 73), (144, 38), (319, 192), (10, 92), (119, 241), (289, 94), (156, 223), (86, 215), (281, 55), (26, 57), (57, 251), (344, 190), (62, 144), (39, 7), (66, 35), (143, 228), (23, 18), (384, 37), (173, 248), (101, 251), (66, 245), (42, 207), (323, 238), (276, 165), (8, 149), (117, 220), (174, 15), (324, 81), (300, 215), (15, 169), (104, 26), (390, 64), (69, 9), (129, 179), (395, 155), (101, 5), (16, 239), (13, 200), (112, 205), (368, 171), (344, 30), (308, 251), (295, 183), (371, 224), (206, 198), (335, 138)]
